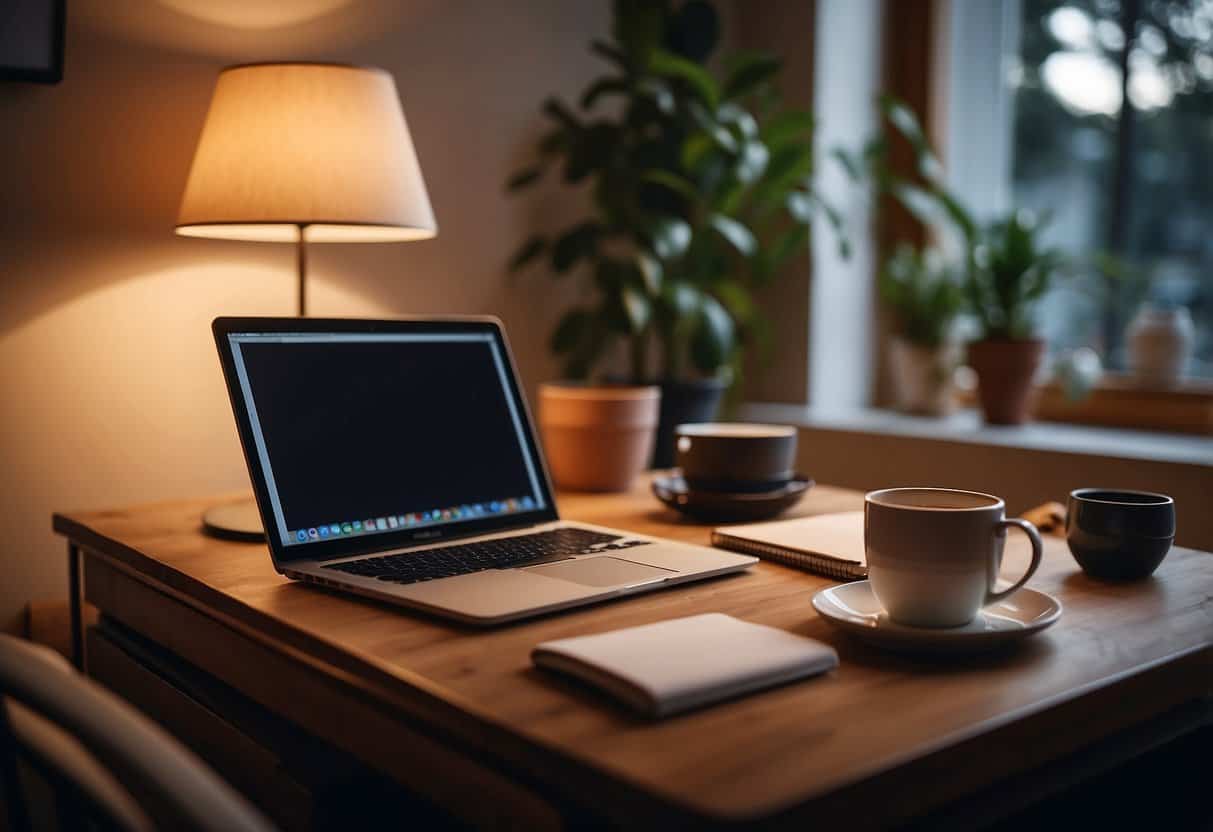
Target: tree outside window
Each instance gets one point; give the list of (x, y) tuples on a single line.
[(1113, 138)]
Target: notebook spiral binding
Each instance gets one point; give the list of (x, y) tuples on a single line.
[(826, 567)]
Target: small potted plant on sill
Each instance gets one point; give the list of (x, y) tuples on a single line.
[(701, 189), (1009, 273), (926, 299)]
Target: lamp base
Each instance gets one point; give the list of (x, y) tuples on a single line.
[(234, 521)]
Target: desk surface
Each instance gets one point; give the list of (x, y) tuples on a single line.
[(1119, 655)]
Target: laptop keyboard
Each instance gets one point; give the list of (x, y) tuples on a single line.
[(499, 553)]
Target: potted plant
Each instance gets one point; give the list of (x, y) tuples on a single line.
[(1005, 269), (926, 298), (1009, 273), (701, 189)]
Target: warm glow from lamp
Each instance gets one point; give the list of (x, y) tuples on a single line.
[(319, 146)]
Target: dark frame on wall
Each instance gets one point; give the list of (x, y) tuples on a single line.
[(17, 20)]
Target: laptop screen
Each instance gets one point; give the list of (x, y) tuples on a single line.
[(373, 434)]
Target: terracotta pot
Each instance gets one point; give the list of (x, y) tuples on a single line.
[(922, 376), (1005, 372), (597, 438)]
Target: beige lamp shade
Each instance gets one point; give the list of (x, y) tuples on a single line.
[(317, 149)]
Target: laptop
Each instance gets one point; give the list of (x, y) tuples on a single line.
[(397, 460)]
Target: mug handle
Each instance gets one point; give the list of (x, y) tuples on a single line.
[(1037, 551)]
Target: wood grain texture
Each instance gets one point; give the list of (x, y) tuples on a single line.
[(1119, 401), (901, 735)]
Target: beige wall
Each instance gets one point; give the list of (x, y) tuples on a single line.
[(111, 389)]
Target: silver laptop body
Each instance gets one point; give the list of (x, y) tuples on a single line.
[(397, 460)]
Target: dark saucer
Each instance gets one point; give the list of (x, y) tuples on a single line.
[(719, 506)]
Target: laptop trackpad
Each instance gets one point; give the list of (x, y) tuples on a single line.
[(602, 571)]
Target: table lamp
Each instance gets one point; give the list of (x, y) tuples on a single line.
[(303, 153)]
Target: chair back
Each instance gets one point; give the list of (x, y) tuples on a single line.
[(103, 759)]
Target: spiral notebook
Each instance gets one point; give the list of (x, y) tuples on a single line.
[(827, 544)]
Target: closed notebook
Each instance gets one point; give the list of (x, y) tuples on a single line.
[(828, 544), (672, 666)]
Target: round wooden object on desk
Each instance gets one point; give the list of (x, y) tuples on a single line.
[(234, 521)]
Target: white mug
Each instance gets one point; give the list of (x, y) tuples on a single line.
[(934, 553)]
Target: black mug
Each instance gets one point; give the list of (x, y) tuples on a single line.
[(735, 457), (1117, 534)]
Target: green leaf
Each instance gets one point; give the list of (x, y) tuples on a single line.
[(788, 165), (906, 123), (737, 300), (695, 76), (714, 336), (639, 310), (721, 135), (791, 125), (671, 237), (578, 242), (659, 93), (610, 52), (793, 241), (851, 163), (590, 151), (738, 236), (801, 206), (752, 162), (695, 149), (749, 72), (528, 251), (680, 298), (569, 331), (522, 178), (739, 120), (602, 87), (667, 179), (555, 109), (650, 273)]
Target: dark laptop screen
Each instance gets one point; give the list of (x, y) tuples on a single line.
[(371, 433)]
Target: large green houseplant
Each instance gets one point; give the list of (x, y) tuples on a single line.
[(701, 189), (1005, 267)]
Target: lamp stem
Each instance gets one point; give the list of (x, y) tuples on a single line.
[(301, 265)]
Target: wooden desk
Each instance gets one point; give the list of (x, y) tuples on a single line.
[(460, 715)]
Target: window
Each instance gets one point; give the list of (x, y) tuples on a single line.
[(1112, 104)]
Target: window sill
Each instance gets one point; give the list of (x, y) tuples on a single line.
[(967, 426), (1026, 466)]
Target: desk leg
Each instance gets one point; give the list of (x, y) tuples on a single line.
[(73, 600)]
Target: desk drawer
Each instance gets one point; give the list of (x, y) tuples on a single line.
[(313, 699)]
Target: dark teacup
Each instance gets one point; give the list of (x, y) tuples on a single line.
[(1119, 535), (735, 457)]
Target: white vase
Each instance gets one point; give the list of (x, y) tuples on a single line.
[(1160, 344), (922, 376)]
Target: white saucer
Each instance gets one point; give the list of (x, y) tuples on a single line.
[(853, 607)]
